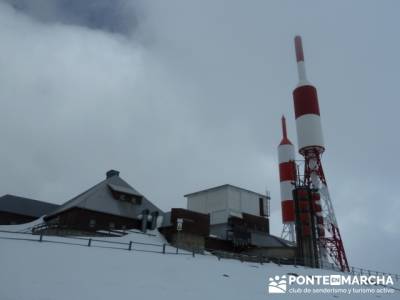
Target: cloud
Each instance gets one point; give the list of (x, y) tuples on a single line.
[(183, 95), (117, 16)]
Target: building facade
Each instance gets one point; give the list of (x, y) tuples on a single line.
[(186, 229), (236, 214), (109, 206), (19, 210)]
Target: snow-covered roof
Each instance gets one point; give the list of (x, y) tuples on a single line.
[(263, 240), (224, 186), (25, 206), (125, 190), (100, 198)]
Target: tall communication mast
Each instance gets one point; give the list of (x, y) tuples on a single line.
[(311, 146), (287, 177)]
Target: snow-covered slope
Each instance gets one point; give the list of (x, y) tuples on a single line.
[(32, 270)]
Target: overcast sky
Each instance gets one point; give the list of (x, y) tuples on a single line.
[(185, 95)]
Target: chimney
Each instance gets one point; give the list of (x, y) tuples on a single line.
[(112, 173)]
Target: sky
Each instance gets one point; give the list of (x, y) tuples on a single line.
[(184, 95)]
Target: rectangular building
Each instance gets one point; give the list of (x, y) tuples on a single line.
[(234, 212)]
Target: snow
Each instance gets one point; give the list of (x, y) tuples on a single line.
[(22, 227), (31, 270)]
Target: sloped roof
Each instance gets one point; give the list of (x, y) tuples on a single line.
[(263, 240), (99, 198), (26, 206), (222, 187), (125, 190)]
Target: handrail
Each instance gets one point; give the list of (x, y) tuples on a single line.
[(85, 239), (218, 253)]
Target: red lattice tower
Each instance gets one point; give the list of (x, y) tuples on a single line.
[(287, 177), (311, 147)]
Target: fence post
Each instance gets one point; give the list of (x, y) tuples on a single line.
[(163, 248), (279, 261), (89, 243), (130, 245), (193, 253), (295, 261), (41, 237), (176, 250)]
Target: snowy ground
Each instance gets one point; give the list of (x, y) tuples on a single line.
[(31, 270)]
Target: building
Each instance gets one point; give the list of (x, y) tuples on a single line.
[(239, 221), (236, 214), (110, 205), (19, 210), (186, 229)]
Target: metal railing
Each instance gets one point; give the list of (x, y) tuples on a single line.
[(56, 229), (363, 271), (94, 242), (165, 248), (296, 262)]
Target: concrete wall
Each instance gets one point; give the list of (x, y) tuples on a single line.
[(221, 202), (219, 230), (188, 241), (243, 201), (214, 202)]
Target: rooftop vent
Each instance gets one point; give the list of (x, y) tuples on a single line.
[(112, 173)]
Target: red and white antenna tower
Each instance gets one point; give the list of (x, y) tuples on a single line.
[(311, 147), (287, 177)]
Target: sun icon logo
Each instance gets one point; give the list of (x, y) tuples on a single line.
[(277, 284)]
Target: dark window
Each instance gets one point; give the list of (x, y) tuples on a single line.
[(262, 207), (92, 223), (137, 200), (123, 197)]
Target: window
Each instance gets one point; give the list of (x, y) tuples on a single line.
[(262, 207), (137, 200), (124, 197), (92, 223)]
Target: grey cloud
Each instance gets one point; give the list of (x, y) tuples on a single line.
[(193, 99), (118, 16)]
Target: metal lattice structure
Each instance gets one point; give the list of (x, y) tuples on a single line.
[(311, 147), (287, 176)]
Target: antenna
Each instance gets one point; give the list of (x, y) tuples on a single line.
[(301, 68), (284, 132)]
